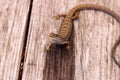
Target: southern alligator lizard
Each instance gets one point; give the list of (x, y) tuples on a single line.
[(63, 36)]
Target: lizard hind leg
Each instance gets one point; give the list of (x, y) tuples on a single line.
[(48, 47), (75, 16), (58, 16)]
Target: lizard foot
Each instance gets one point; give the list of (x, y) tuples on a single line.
[(68, 45), (47, 49)]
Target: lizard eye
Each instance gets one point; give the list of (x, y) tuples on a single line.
[(53, 35)]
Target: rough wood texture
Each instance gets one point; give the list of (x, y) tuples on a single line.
[(95, 33), (58, 63), (13, 19), (93, 36)]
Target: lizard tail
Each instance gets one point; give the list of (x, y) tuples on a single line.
[(81, 7), (113, 51)]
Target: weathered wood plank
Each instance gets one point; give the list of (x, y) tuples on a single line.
[(13, 19), (95, 36), (41, 24), (89, 59)]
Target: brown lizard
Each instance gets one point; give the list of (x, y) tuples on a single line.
[(63, 36)]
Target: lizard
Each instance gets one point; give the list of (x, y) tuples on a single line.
[(62, 37)]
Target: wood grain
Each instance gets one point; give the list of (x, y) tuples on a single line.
[(93, 36), (13, 19)]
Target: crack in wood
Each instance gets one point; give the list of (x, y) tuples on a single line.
[(25, 42)]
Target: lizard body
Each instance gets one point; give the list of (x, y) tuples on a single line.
[(66, 26)]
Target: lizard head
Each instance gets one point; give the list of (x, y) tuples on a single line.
[(56, 38)]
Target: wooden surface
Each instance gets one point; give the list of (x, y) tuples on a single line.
[(13, 19), (24, 29)]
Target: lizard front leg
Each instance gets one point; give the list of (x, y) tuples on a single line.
[(58, 16), (67, 44), (48, 47)]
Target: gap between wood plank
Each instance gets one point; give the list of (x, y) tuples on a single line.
[(25, 42)]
